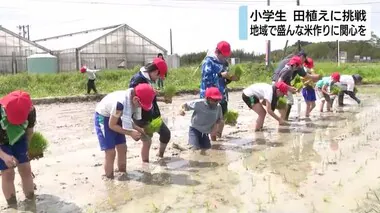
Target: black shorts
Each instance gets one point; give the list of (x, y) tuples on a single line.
[(224, 105), (250, 100)]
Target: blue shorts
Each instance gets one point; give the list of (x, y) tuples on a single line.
[(108, 138), (19, 150), (309, 94), (198, 139)]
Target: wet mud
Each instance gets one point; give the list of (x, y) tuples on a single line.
[(326, 163)]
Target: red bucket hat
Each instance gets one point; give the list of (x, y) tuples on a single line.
[(295, 60), (17, 106), (213, 93), (83, 69), (146, 94), (161, 66), (282, 86), (309, 63), (335, 76), (225, 48)]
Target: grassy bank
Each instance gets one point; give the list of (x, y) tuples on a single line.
[(185, 78)]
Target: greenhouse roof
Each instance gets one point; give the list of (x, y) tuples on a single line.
[(74, 40), (82, 38)]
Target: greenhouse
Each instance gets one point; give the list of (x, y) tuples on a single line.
[(118, 46), (14, 50)]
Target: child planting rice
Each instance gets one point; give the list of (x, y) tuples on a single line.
[(308, 91), (17, 119), (268, 94), (323, 87), (149, 74), (215, 74), (205, 119), (349, 83), (113, 120), (293, 68)]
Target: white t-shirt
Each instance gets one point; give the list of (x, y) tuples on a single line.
[(349, 81), (261, 91), (119, 100)]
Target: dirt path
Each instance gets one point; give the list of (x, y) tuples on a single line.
[(325, 164)]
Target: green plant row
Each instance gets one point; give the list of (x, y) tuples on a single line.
[(74, 83)]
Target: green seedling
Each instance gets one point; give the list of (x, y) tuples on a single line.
[(335, 90), (281, 103), (154, 126), (237, 71), (37, 146), (230, 118), (155, 208)]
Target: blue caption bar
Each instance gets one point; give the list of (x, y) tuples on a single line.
[(243, 22)]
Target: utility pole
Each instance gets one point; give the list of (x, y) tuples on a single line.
[(268, 46), (24, 31), (299, 43), (171, 42)]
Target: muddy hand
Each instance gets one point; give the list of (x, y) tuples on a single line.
[(181, 113), (136, 135), (10, 161)]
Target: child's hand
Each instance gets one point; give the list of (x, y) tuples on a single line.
[(135, 135), (181, 112)]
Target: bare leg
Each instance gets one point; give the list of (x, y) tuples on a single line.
[(110, 155), (258, 108), (322, 105), (8, 186), (25, 171), (121, 150), (146, 142)]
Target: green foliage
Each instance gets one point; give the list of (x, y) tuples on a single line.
[(154, 126), (297, 82), (37, 145), (281, 103), (230, 118), (74, 83), (355, 90), (170, 91)]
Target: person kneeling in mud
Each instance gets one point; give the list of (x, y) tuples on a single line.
[(150, 73), (323, 87), (113, 120), (17, 118), (205, 119), (348, 83), (269, 95)]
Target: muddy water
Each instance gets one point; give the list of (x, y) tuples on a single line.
[(326, 163)]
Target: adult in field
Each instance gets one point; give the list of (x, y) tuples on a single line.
[(348, 83), (214, 74), (150, 73), (17, 119), (293, 68)]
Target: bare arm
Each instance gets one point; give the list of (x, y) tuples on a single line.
[(324, 90), (270, 111), (115, 127), (29, 134)]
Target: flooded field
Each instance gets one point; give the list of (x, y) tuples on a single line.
[(328, 163)]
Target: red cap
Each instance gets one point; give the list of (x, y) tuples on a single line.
[(213, 93), (83, 69), (295, 60), (309, 63), (146, 94), (17, 106), (161, 66), (335, 76), (224, 48), (282, 86)]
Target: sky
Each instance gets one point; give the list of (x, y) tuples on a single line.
[(197, 25)]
